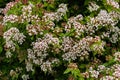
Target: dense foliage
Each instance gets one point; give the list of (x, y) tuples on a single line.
[(4, 2), (60, 40)]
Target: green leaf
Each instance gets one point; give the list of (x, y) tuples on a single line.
[(1, 49), (81, 78), (76, 73), (86, 2), (70, 33), (109, 63), (65, 17), (67, 70), (15, 77)]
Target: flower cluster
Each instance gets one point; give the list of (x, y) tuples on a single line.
[(27, 13), (10, 18), (93, 6), (48, 36), (113, 3), (112, 34), (40, 52), (33, 29), (110, 73), (107, 78), (11, 36), (8, 6), (61, 11), (117, 56), (73, 23), (80, 48), (103, 19)]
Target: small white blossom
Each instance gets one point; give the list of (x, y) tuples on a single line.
[(33, 29), (15, 35), (107, 78), (46, 66), (29, 66), (94, 73), (116, 72), (9, 45), (25, 77), (8, 34), (93, 6), (8, 54), (10, 18), (101, 68), (117, 56)]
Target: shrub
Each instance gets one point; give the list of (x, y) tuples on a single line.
[(60, 40)]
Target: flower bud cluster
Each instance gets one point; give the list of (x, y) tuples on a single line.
[(11, 37)]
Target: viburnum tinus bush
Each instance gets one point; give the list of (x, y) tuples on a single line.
[(60, 40)]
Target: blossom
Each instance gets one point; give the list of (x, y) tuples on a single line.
[(33, 29), (8, 54), (93, 6), (8, 6), (29, 66), (94, 73), (117, 56), (116, 72), (25, 77), (79, 48), (9, 45), (11, 36), (103, 18), (73, 23), (61, 11), (46, 66), (8, 34), (27, 13), (101, 68), (107, 78), (12, 73), (14, 35), (10, 18), (113, 3)]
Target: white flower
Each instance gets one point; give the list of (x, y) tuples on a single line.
[(12, 73), (19, 37), (25, 77), (113, 3), (107, 78), (93, 6), (101, 68), (46, 66), (94, 73), (33, 29), (29, 66), (14, 35), (69, 56), (73, 23), (8, 54), (61, 11), (8, 34), (117, 56), (10, 18), (116, 72), (9, 45)]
